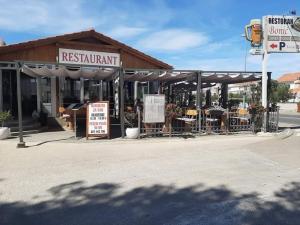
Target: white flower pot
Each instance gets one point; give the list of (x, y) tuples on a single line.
[(132, 133), (4, 133)]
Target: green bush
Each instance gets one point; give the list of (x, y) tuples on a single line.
[(4, 116)]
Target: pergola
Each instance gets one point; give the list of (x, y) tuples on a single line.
[(196, 79)]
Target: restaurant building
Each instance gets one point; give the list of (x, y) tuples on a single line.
[(84, 55), (50, 75)]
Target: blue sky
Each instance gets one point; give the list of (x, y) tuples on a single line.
[(190, 34)]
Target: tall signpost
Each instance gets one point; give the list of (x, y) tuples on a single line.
[(280, 34)]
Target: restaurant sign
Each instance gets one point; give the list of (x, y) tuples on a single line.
[(98, 119), (282, 34), (82, 57)]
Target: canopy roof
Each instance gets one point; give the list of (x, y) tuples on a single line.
[(173, 76), (71, 72), (169, 76)]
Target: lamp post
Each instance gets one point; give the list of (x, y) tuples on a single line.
[(246, 53)]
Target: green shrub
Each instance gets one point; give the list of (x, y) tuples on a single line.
[(4, 116)]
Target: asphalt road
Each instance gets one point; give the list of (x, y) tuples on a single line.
[(289, 120)]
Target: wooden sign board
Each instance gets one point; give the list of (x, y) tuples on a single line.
[(97, 119), (154, 108)]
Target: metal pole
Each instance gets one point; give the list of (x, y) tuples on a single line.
[(267, 117), (264, 99), (1, 91), (148, 87), (38, 94), (21, 143), (135, 95), (75, 123), (199, 83), (139, 121), (277, 117), (81, 90), (61, 88), (101, 90), (264, 89), (121, 86)]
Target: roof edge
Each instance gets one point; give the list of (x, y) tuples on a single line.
[(85, 33)]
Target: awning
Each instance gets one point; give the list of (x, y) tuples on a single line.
[(168, 76), (191, 76), (72, 72)]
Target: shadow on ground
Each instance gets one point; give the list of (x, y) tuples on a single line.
[(78, 204)]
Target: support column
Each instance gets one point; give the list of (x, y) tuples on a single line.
[(1, 91), (38, 94), (61, 91), (135, 94), (121, 85), (224, 95), (101, 90), (21, 143), (268, 101), (81, 90), (53, 96), (198, 100)]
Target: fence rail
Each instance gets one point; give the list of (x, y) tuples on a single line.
[(215, 122)]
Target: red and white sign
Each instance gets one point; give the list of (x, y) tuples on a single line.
[(98, 119), (282, 34), (82, 57)]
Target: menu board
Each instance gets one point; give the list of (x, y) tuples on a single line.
[(98, 119), (154, 108)]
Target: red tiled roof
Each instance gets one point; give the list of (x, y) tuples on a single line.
[(289, 77), (81, 34)]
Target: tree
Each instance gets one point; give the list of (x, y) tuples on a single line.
[(279, 92)]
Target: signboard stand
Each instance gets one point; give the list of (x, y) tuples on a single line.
[(97, 120), (154, 108)]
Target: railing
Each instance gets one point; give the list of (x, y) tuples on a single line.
[(225, 122), (273, 119)]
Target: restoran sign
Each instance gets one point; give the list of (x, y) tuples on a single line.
[(282, 33), (82, 57)]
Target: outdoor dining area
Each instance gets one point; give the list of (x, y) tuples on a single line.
[(154, 102), (188, 105)]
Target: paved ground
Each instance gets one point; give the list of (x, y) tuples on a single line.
[(291, 120), (206, 180)]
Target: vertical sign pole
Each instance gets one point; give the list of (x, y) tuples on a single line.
[(264, 99)]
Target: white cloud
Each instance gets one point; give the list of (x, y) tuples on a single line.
[(172, 40), (126, 32), (278, 64), (44, 16), (124, 19), (212, 64)]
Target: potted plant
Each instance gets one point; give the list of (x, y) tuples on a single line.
[(172, 111), (257, 113), (132, 132), (4, 131)]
